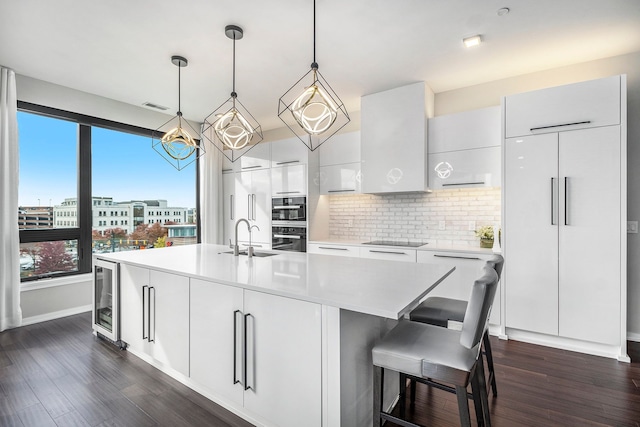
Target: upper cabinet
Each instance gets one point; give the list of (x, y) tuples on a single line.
[(340, 164), (289, 181), (592, 103), (464, 149), (289, 151), (340, 149), (259, 157), (394, 132)]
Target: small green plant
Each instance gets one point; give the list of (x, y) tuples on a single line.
[(485, 232)]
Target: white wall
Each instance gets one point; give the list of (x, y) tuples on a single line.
[(489, 94)]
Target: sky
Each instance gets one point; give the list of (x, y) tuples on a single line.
[(125, 166)]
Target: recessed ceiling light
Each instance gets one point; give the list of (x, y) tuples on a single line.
[(156, 106), (503, 11), (472, 41)]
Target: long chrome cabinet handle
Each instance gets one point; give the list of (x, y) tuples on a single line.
[(244, 361), (144, 336), (251, 167), (456, 257), (463, 183), (566, 200), (152, 337), (235, 345), (560, 125), (333, 249), (287, 192), (552, 203), (231, 206), (288, 162), (253, 207), (339, 191), (249, 206), (387, 252)]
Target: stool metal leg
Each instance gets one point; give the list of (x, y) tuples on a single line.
[(463, 406), (403, 394), (378, 383), (482, 388), (486, 342), (477, 390)]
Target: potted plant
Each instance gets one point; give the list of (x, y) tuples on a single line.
[(485, 233)]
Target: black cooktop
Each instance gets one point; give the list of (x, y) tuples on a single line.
[(394, 243)]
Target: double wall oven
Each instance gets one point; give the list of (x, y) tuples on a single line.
[(289, 224)]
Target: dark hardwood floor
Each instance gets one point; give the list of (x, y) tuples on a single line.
[(58, 374)]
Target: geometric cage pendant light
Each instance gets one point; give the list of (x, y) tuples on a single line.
[(178, 145), (310, 108), (231, 128)]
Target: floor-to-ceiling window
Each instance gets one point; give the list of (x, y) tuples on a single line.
[(88, 185)]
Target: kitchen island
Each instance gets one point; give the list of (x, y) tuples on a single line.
[(281, 340)]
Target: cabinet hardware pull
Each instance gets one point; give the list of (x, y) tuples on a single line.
[(226, 170), (339, 191), (456, 257), (231, 206), (288, 162), (287, 207), (235, 345), (560, 125), (246, 321), (387, 252), (249, 206), (287, 192), (463, 183), (253, 207), (334, 249), (552, 204), (252, 167), (566, 200), (286, 236), (143, 317), (154, 314)]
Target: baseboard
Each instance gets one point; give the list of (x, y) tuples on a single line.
[(55, 315), (632, 336)]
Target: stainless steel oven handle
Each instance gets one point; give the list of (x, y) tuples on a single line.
[(287, 236), (288, 207)]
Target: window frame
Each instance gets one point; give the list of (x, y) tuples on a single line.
[(82, 233)]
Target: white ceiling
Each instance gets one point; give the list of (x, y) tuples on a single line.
[(121, 49)]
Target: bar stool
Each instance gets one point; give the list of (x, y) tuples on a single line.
[(439, 311), (444, 358)]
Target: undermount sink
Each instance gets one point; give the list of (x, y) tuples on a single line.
[(255, 254)]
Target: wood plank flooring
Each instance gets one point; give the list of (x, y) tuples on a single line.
[(58, 374)]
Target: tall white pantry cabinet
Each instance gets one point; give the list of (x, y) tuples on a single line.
[(564, 201)]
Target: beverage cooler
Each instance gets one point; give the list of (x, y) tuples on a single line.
[(105, 316)]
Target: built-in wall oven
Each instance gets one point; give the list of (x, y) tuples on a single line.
[(289, 223)]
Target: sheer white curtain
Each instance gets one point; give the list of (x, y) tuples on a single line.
[(211, 193), (10, 313)]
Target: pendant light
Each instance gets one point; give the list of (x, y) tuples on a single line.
[(231, 128), (313, 112), (177, 146)]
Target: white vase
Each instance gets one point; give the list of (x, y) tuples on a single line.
[(496, 240)]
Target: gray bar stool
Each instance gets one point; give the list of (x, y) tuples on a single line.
[(438, 311), (444, 358)]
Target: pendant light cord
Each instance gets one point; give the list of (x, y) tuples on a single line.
[(179, 112), (314, 32), (234, 63)]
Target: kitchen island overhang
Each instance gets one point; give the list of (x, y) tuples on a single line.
[(358, 300)]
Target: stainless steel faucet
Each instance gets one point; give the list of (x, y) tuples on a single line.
[(250, 249), (236, 248)]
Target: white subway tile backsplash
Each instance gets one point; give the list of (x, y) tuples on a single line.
[(415, 216)]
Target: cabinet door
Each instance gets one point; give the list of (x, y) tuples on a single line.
[(331, 249), (590, 237), (169, 329), (468, 168), (132, 280), (340, 179), (463, 131), (592, 103), (284, 360), (258, 157), (212, 341), (394, 149), (289, 181), (341, 148), (289, 151), (406, 255), (531, 233)]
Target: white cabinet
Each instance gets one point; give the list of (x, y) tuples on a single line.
[(479, 167), (592, 103), (464, 149), (333, 249), (340, 179), (289, 181), (214, 319), (563, 228), (258, 157), (289, 151), (155, 315), (394, 134), (459, 283), (341, 148), (391, 254), (246, 350), (247, 195), (281, 353)]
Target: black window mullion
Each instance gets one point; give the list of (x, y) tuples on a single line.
[(84, 198)]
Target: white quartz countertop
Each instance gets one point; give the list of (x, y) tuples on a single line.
[(427, 246), (381, 288)]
